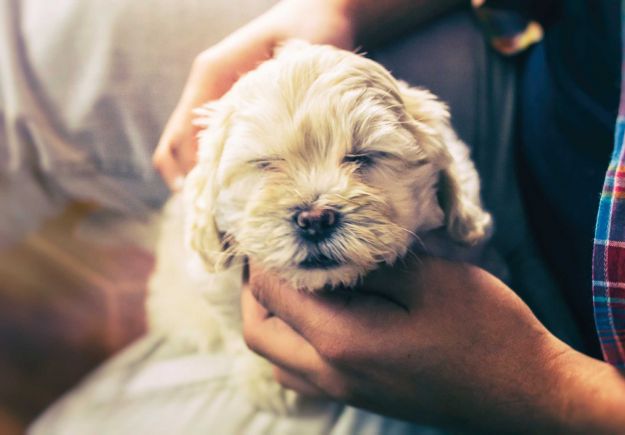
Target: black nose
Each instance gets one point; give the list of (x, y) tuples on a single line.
[(316, 223)]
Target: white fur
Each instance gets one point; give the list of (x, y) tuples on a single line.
[(279, 140)]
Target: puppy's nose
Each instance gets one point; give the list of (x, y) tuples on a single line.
[(316, 223)]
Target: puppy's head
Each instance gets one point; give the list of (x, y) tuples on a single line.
[(319, 165)]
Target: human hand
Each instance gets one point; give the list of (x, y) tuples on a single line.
[(436, 342), (215, 70)]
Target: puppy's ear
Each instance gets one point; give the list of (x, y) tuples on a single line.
[(202, 187), (459, 184)]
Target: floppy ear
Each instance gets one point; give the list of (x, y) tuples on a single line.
[(202, 187), (459, 183)]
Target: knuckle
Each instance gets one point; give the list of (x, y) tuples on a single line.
[(336, 387), (159, 157), (203, 60), (156, 161), (280, 377), (162, 149), (332, 351), (256, 285), (168, 149), (250, 336)]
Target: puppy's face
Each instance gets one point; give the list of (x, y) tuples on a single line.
[(316, 169)]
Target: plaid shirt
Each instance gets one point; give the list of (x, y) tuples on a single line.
[(609, 253), (512, 26)]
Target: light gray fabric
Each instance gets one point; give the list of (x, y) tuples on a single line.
[(155, 388), (85, 90)]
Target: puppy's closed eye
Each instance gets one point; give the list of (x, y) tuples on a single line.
[(266, 163), (366, 160)]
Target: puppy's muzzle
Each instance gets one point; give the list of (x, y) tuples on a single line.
[(316, 224)]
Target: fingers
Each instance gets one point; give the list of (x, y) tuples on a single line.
[(293, 306), (298, 365), (296, 382), (184, 151), (273, 339), (174, 158), (326, 320), (215, 70), (213, 73), (176, 153)]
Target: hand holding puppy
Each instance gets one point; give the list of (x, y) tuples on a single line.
[(216, 69), (335, 22), (433, 341)]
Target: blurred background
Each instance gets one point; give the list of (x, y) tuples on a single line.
[(65, 305), (85, 90)]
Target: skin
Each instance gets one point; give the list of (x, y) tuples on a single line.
[(428, 341), (336, 22), (432, 341)]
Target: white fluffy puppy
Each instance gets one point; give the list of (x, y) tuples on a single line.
[(319, 166)]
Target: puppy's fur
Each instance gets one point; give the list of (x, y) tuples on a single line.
[(314, 128)]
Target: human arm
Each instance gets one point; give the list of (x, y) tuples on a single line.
[(447, 344), (343, 23)]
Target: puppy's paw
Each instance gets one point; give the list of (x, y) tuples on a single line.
[(195, 340), (261, 388), (268, 395)]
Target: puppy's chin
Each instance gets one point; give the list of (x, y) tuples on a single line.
[(315, 279)]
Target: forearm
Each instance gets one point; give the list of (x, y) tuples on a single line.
[(544, 386), (590, 397), (458, 348), (515, 376), (344, 23), (552, 391)]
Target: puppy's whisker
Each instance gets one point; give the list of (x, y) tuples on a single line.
[(299, 194), (412, 233), (347, 199), (356, 197), (418, 240), (410, 257), (393, 106)]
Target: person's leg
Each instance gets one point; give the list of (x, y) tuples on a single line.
[(451, 58)]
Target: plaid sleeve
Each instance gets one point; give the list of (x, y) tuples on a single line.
[(608, 267), (511, 25), (609, 254)]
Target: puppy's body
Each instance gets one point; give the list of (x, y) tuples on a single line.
[(319, 166), (200, 310)]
